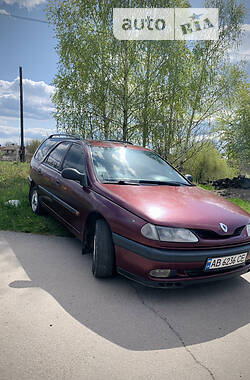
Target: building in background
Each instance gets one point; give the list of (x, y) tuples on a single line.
[(9, 153)]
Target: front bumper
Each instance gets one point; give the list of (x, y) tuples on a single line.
[(180, 283), (135, 261)]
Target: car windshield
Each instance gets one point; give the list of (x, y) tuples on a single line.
[(125, 165)]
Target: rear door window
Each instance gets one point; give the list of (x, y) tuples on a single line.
[(75, 158), (55, 158), (44, 148)]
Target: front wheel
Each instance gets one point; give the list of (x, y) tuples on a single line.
[(34, 201), (103, 265)]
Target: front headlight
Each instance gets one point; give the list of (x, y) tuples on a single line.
[(248, 229), (176, 235)]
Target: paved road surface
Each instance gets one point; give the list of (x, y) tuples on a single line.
[(58, 322)]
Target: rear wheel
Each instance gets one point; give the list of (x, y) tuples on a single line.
[(34, 201), (103, 265)]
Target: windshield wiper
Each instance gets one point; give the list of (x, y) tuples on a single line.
[(121, 182), (144, 182), (168, 183)]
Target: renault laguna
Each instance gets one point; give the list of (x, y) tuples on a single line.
[(137, 215)]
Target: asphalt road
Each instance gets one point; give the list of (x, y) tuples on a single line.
[(58, 322)]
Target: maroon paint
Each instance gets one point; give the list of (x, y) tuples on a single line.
[(128, 208)]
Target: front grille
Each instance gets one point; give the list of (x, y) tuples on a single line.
[(211, 235)]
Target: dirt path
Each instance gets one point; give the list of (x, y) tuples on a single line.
[(243, 194)]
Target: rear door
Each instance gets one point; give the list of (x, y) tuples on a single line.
[(50, 182), (73, 194), (37, 172)]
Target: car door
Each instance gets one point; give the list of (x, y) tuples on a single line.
[(73, 194), (50, 178)]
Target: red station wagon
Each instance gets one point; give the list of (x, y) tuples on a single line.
[(137, 215)]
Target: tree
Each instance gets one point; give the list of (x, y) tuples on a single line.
[(161, 94), (32, 146), (208, 164), (235, 126)]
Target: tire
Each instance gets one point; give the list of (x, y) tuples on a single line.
[(34, 201), (103, 264)]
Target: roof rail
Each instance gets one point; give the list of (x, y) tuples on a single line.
[(120, 141), (65, 135)]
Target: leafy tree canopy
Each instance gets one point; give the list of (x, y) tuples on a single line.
[(163, 94)]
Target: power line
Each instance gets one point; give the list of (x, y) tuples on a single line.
[(25, 18)]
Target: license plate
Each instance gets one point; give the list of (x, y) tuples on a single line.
[(228, 261)]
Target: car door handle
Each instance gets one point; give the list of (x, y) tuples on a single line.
[(39, 171), (58, 182)]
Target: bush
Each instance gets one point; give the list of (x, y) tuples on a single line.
[(208, 165), (31, 148)]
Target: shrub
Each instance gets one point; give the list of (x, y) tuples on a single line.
[(208, 165)]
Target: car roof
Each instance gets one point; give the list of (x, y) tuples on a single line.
[(100, 143), (112, 143)]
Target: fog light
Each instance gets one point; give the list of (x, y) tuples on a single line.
[(160, 272)]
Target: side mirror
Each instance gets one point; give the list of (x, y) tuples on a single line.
[(189, 177), (75, 175)]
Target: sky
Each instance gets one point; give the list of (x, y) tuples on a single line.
[(31, 44)]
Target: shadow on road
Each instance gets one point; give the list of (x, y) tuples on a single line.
[(123, 312)]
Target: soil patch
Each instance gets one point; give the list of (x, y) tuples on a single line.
[(243, 194)]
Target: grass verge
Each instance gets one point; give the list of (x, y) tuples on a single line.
[(14, 185), (243, 204), (207, 187)]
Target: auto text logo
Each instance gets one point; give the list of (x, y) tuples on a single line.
[(165, 23)]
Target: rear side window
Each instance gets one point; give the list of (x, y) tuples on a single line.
[(55, 158), (44, 148), (75, 158)]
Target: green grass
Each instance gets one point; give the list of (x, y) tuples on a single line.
[(245, 205), (207, 187), (239, 202), (14, 185)]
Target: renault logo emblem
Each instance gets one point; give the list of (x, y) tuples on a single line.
[(224, 227)]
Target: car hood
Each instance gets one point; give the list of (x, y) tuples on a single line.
[(178, 206)]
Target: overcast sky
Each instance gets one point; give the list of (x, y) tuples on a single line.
[(31, 44)]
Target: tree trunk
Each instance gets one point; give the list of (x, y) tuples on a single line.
[(146, 102), (125, 93)]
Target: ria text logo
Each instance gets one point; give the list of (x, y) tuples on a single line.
[(165, 23)]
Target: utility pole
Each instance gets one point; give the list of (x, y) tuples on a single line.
[(22, 147)]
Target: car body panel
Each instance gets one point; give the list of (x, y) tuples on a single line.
[(126, 208), (178, 206), (132, 199)]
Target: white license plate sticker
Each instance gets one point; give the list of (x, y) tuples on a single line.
[(228, 261)]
